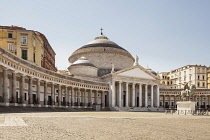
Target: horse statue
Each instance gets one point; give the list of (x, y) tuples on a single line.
[(188, 91)]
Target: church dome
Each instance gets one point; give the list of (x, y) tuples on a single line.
[(102, 41), (83, 67), (102, 53), (82, 62), (151, 71)]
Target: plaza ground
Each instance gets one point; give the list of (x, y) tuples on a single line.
[(103, 125)]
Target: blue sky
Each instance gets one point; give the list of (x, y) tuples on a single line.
[(165, 34)]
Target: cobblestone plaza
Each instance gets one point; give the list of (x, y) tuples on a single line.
[(103, 125)]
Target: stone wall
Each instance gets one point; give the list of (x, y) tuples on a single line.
[(83, 70)]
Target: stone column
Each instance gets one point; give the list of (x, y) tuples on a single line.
[(103, 99), (78, 96), (146, 96), (164, 101), (120, 94), (169, 102), (140, 95), (38, 91), (112, 98), (90, 101), (59, 95), (158, 96), (85, 104), (206, 101), (96, 97), (14, 97), (126, 95), (30, 90), (152, 96), (199, 101), (113, 94), (72, 97), (22, 89), (45, 93), (66, 96), (52, 94), (133, 95), (5, 87)]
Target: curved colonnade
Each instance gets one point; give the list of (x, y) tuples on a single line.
[(169, 97), (27, 84)]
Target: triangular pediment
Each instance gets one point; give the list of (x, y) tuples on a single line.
[(137, 72)]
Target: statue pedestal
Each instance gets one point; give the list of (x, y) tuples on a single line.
[(185, 107)]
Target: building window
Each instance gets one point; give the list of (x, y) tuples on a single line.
[(10, 47), (198, 77), (203, 70), (25, 54), (9, 35), (34, 43), (198, 84), (42, 63), (203, 84), (24, 40), (34, 57), (198, 70), (203, 77)]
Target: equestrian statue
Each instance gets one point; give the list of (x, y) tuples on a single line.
[(188, 92)]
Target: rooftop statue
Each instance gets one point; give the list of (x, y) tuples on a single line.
[(188, 92), (137, 60), (112, 68)]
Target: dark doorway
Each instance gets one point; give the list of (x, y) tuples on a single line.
[(105, 100), (124, 100), (49, 100), (64, 101), (137, 101), (166, 105), (17, 97), (34, 98), (56, 99)]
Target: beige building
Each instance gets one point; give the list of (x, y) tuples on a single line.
[(165, 80), (192, 74), (27, 44)]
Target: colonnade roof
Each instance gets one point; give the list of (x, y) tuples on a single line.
[(45, 71)]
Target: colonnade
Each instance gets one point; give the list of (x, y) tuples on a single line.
[(169, 100), (33, 91), (130, 94)]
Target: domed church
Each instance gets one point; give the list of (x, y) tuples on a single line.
[(130, 84), (101, 74)]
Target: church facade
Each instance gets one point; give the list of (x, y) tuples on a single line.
[(101, 73)]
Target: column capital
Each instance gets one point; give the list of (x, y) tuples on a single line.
[(23, 75), (4, 68), (14, 72)]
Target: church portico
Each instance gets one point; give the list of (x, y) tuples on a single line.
[(133, 94)]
